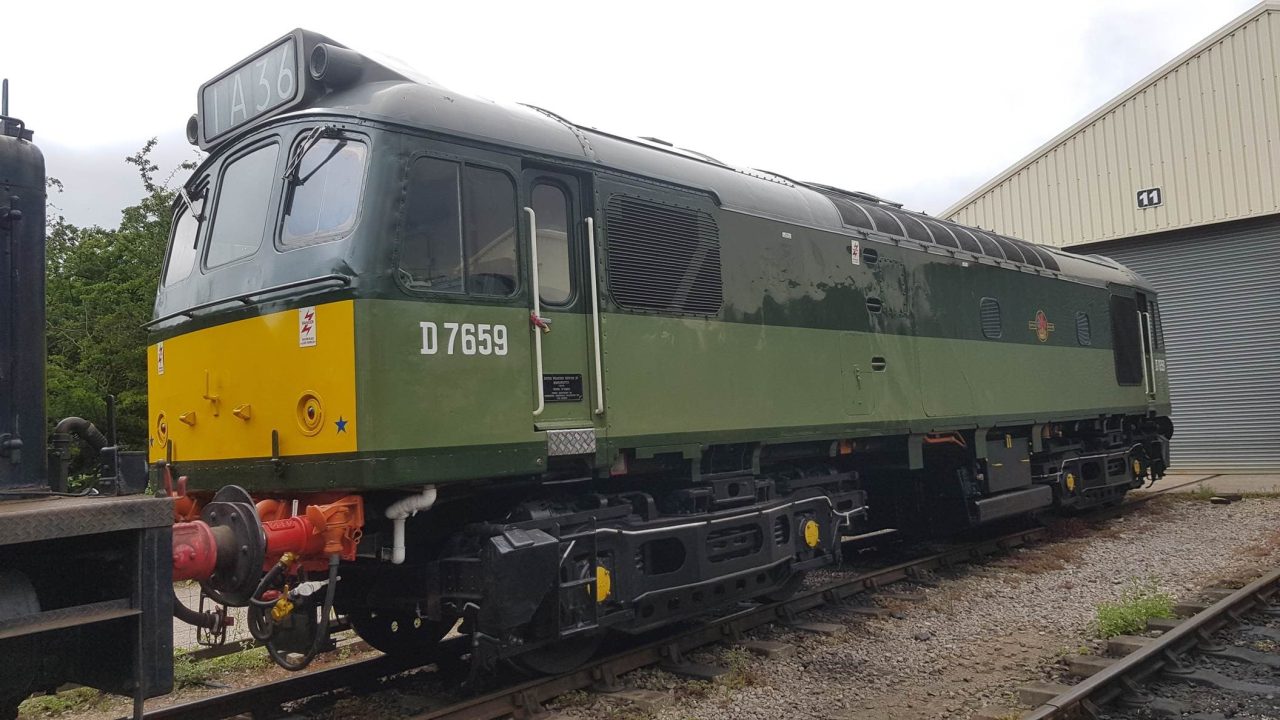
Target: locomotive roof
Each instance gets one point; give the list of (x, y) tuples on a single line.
[(406, 98)]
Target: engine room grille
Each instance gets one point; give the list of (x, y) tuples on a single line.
[(1084, 335), (663, 258), (992, 327)]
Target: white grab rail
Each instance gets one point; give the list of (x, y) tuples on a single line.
[(595, 314), (537, 311)]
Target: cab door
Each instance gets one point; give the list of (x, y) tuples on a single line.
[(563, 316)]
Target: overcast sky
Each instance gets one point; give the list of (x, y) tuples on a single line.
[(919, 101)]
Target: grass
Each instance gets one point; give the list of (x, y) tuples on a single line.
[(45, 706), (1140, 601), (189, 672)]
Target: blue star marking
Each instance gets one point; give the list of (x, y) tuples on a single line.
[(342, 424)]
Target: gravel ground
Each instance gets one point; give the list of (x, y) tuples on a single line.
[(978, 635)]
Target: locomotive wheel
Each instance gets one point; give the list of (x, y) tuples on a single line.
[(558, 657), (396, 632)]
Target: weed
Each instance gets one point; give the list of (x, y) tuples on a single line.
[(188, 671), (1203, 491), (1064, 651), (76, 699), (694, 689), (346, 652), (1139, 602), (742, 671)]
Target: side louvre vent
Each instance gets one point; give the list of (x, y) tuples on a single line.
[(1084, 335), (990, 313), (663, 258)]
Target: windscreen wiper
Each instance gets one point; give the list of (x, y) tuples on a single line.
[(310, 140), (197, 215)]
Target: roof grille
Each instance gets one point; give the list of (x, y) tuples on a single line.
[(868, 212)]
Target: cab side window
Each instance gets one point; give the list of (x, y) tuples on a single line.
[(1126, 339), (459, 230), (489, 218), (554, 278)]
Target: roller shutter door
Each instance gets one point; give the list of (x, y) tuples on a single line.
[(1220, 301)]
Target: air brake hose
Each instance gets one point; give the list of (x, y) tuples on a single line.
[(322, 627), (259, 624), (209, 620), (267, 580)]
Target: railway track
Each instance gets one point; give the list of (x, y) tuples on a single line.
[(1207, 666), (526, 699)]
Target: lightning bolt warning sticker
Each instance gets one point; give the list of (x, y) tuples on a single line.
[(307, 326)]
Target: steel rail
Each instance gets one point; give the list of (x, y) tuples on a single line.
[(1153, 657)]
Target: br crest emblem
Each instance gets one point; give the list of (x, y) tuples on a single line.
[(1042, 326)]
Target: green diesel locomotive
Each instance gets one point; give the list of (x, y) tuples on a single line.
[(538, 382)]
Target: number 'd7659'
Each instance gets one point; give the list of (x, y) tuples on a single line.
[(464, 338)]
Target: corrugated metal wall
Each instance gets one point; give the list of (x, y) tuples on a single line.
[(1205, 129), (1220, 302)]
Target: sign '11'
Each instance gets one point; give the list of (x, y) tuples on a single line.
[(1149, 198)]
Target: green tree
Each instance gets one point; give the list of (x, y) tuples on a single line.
[(101, 288)]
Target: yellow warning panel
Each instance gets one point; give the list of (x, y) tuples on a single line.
[(218, 393)]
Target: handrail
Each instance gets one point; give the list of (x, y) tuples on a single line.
[(595, 313), (1144, 340), (246, 296), (537, 311)]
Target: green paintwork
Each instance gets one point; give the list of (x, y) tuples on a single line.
[(788, 358), (407, 399), (566, 350), (726, 377)]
